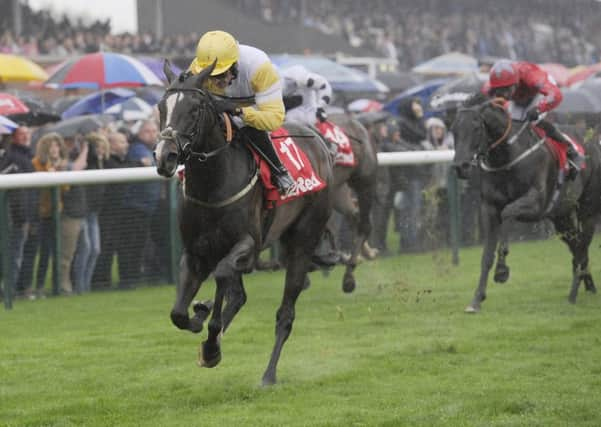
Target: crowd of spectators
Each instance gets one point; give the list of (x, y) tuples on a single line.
[(99, 225), (412, 32), (536, 30)]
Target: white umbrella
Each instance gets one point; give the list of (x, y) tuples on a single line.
[(133, 109)]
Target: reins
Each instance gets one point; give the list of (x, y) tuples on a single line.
[(498, 102)]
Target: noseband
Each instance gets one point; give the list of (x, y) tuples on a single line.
[(184, 148)]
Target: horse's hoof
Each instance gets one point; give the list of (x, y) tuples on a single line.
[(209, 357), (470, 309), (348, 284), (268, 380), (572, 299), (202, 309), (589, 285), (501, 274)]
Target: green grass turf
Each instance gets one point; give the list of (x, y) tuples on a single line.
[(399, 351)]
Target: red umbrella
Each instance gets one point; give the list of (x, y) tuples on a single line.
[(584, 73), (103, 70), (558, 71), (10, 104)]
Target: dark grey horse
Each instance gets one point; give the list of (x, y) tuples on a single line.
[(223, 220), (360, 180), (519, 181)]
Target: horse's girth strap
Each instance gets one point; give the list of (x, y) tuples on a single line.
[(228, 128)]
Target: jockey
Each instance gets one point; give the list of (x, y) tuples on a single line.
[(532, 93), (306, 95), (242, 73)]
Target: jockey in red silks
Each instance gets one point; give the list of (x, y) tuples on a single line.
[(532, 93)]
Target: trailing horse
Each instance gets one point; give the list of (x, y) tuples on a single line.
[(224, 220), (358, 177), (522, 180)]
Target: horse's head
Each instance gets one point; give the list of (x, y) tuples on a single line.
[(479, 126), (187, 115)]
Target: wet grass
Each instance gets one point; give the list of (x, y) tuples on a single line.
[(399, 351)]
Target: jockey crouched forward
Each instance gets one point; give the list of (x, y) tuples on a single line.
[(306, 95), (241, 73), (532, 94)]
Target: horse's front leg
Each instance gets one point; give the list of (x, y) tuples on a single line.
[(502, 269), (191, 275), (491, 222), (227, 273)]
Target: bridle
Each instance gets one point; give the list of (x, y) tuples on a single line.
[(184, 148), (185, 152), (480, 156)]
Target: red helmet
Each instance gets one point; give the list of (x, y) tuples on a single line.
[(503, 74)]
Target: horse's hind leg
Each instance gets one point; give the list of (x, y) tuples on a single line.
[(300, 243), (578, 237), (190, 278), (588, 229)]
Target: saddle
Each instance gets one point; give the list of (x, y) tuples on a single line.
[(339, 139), (560, 150)]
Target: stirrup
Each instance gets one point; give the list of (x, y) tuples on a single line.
[(283, 181)]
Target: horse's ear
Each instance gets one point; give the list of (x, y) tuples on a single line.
[(168, 71), (204, 74)]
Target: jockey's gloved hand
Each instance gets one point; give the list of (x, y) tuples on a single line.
[(225, 106), (533, 114), (321, 114)]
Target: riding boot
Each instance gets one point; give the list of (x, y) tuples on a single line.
[(574, 157), (279, 174)]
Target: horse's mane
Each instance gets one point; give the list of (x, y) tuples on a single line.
[(475, 99)]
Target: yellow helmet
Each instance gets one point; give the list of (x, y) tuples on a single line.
[(215, 45)]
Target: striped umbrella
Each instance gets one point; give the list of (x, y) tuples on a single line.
[(102, 70), (7, 126), (10, 104)]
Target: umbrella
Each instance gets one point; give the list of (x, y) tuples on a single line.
[(60, 105), (150, 94), (103, 70), (79, 125), (10, 104), (579, 101), (132, 109), (341, 78), (372, 117), (558, 71), (399, 81), (18, 69), (97, 102), (453, 93), (364, 105), (156, 66), (447, 64), (584, 73), (423, 92), (7, 125), (40, 112)]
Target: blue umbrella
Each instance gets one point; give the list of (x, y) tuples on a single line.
[(6, 125), (423, 92), (95, 103), (341, 78)]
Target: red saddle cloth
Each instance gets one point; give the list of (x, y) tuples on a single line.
[(333, 133), (306, 181), (559, 150)]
